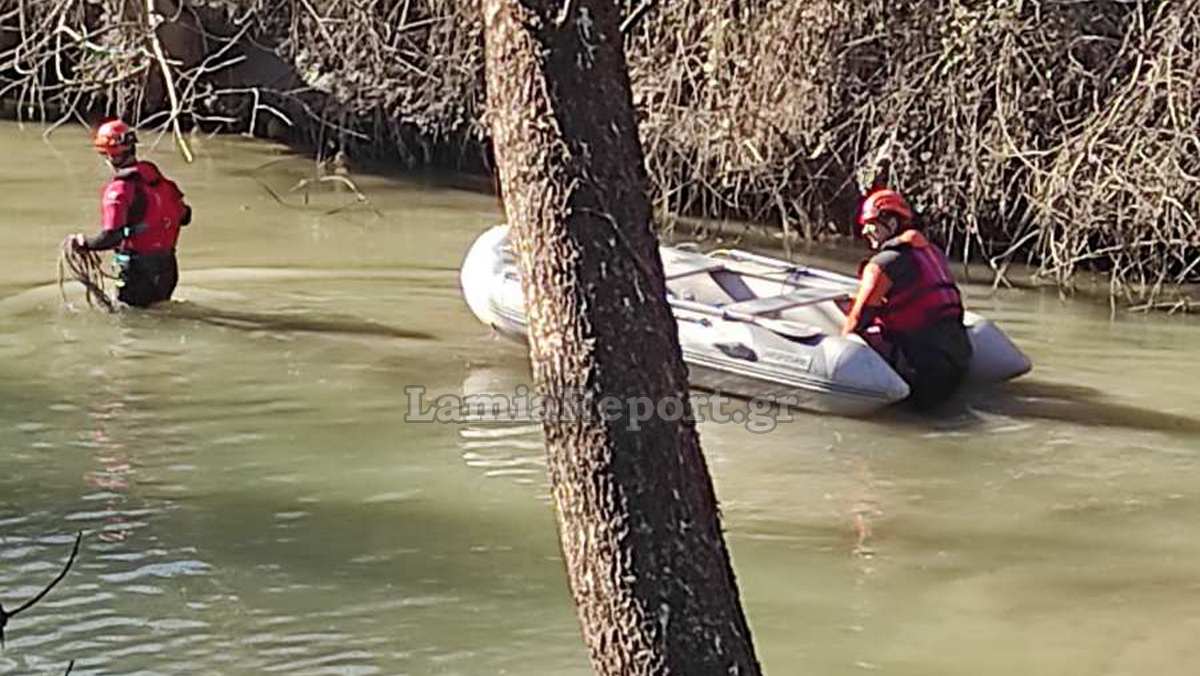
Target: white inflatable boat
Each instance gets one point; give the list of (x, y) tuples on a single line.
[(751, 326)]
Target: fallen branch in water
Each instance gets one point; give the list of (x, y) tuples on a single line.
[(305, 183), (5, 616), (1184, 304), (359, 197)]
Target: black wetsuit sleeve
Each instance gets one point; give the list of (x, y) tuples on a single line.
[(897, 266), (105, 239)]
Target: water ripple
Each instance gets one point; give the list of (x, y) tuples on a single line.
[(325, 660), (163, 570)]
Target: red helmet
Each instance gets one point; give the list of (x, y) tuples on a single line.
[(885, 202), (114, 138)]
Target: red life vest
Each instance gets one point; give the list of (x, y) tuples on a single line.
[(157, 211), (931, 297)]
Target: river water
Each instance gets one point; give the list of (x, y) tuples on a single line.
[(257, 498)]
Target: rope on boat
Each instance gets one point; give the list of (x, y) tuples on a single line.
[(87, 268)]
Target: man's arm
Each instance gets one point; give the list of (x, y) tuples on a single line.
[(103, 240), (114, 212), (872, 290)]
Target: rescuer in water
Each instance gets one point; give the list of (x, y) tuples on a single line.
[(141, 214)]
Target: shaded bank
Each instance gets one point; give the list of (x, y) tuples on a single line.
[(1061, 134)]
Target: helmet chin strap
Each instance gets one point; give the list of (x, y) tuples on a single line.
[(123, 160), (883, 233)]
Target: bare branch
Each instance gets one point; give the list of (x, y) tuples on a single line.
[(5, 616)]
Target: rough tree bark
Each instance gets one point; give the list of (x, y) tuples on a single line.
[(637, 514)]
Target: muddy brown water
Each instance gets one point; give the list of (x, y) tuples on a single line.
[(257, 497)]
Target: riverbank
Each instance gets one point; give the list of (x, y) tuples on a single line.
[(1057, 135)]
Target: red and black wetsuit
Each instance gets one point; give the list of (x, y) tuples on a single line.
[(143, 230)]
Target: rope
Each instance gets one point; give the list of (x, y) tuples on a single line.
[(88, 269)]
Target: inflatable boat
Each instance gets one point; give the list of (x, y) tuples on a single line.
[(751, 326)]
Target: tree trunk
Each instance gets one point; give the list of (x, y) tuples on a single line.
[(637, 514)]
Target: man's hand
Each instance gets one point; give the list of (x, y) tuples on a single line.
[(78, 241)]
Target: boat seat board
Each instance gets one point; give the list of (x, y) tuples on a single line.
[(786, 301), (677, 267)]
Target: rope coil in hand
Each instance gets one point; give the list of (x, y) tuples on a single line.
[(87, 268)]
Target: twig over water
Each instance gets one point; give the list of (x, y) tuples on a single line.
[(5, 615)]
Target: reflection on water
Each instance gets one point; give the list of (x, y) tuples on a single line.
[(327, 323), (1080, 405), (500, 448), (256, 502)]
